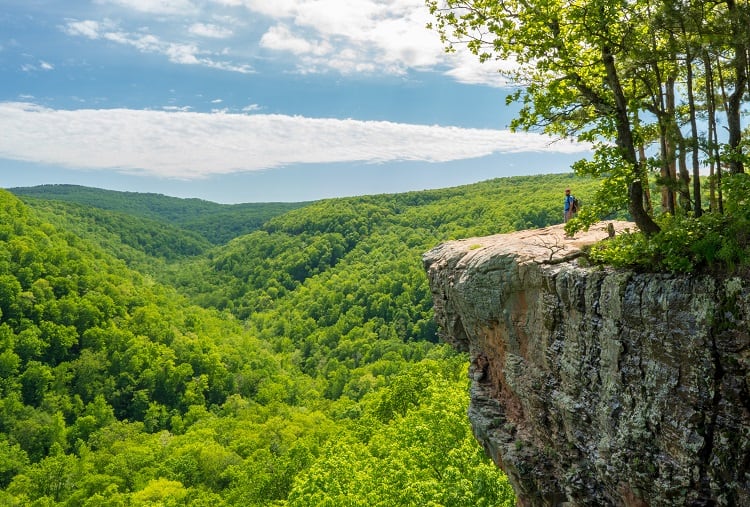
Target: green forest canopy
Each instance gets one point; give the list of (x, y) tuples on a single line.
[(294, 365), (216, 223)]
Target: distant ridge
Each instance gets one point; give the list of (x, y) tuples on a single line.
[(218, 223)]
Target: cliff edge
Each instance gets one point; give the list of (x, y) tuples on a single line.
[(594, 386)]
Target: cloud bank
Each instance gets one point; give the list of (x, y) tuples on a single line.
[(190, 146), (311, 36)]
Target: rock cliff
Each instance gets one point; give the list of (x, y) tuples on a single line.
[(594, 386)]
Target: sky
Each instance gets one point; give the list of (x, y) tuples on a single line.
[(238, 101)]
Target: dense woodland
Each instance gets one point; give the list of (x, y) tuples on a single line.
[(144, 363)]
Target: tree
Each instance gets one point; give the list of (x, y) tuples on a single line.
[(595, 70), (53, 477), (738, 18), (13, 460), (570, 57)]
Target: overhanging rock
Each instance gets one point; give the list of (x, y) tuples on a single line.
[(599, 387)]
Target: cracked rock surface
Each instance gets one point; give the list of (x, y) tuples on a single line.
[(598, 387)]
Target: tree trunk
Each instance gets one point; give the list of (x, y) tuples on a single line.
[(719, 159), (684, 182), (670, 132), (643, 169), (697, 205), (734, 102), (643, 163), (677, 163), (713, 140), (667, 165), (627, 148)]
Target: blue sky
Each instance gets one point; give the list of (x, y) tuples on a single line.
[(251, 100)]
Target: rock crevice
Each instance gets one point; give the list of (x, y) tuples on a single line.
[(592, 386)]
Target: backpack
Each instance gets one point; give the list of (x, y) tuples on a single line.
[(575, 205)]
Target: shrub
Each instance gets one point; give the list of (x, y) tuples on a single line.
[(684, 245)]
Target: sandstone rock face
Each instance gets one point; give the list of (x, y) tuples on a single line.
[(598, 387)]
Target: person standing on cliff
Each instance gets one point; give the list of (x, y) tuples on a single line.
[(569, 205)]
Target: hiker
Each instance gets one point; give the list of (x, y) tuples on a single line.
[(570, 207)]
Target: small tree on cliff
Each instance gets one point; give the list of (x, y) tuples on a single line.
[(596, 69)]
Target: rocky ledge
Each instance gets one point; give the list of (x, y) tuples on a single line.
[(594, 386)]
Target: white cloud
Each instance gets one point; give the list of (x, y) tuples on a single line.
[(357, 35), (179, 7), (180, 53), (466, 68), (210, 30), (242, 68), (364, 36), (276, 9), (87, 28), (177, 53), (187, 145), (280, 38), (42, 65)]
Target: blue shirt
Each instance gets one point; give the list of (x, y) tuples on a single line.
[(568, 202)]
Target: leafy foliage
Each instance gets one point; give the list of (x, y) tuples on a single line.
[(687, 244), (295, 365)]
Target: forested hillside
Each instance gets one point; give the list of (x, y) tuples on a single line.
[(143, 243), (217, 223), (295, 365)]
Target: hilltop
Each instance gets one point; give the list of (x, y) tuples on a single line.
[(217, 223)]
